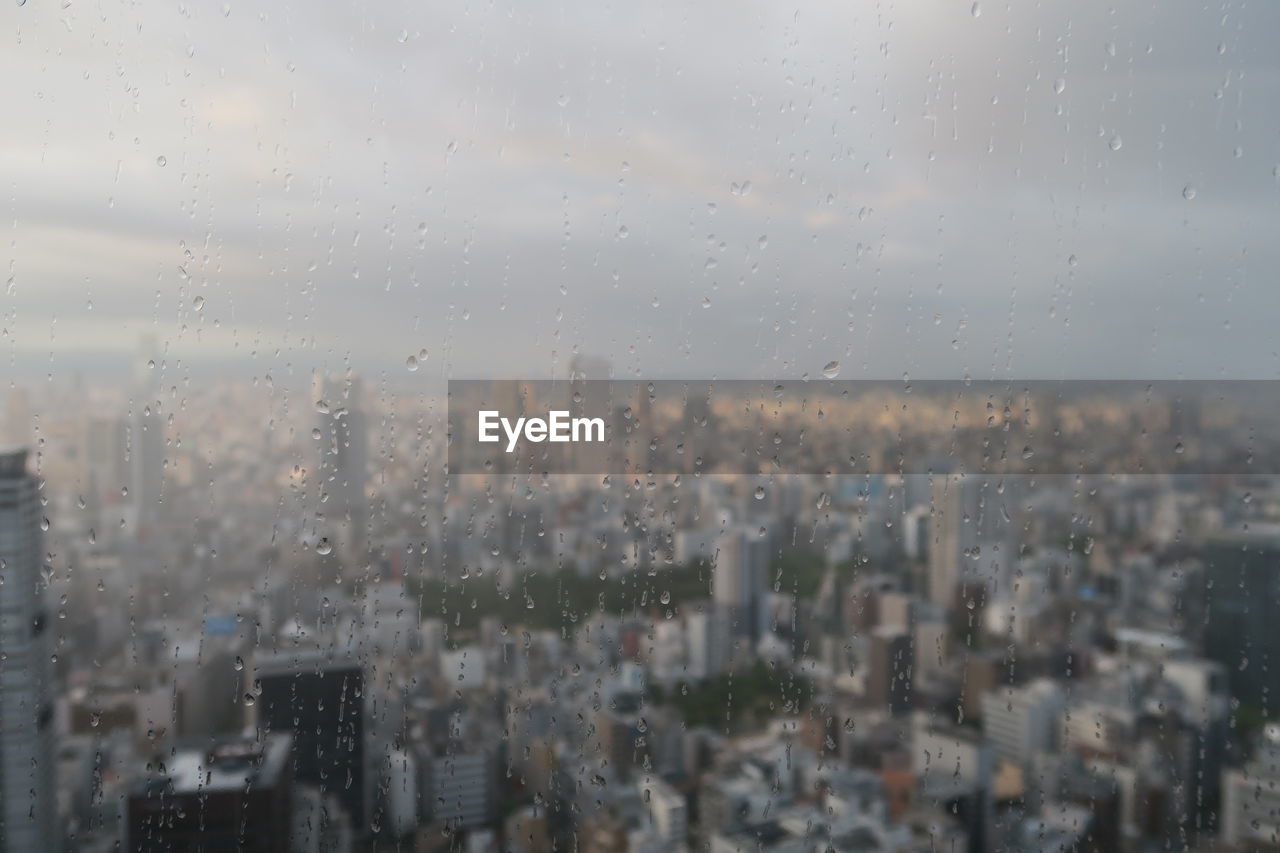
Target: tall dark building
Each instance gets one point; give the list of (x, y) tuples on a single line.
[(1242, 602), (233, 794), (27, 804), (889, 665), (320, 698)]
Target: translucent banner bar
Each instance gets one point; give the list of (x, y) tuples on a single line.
[(827, 427)]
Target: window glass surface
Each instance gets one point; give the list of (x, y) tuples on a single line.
[(639, 427)]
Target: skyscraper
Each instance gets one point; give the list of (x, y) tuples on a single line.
[(740, 580), (26, 713), (106, 442), (146, 439), (320, 698), (344, 449), (146, 459), (1022, 722), (1242, 574), (889, 665), (968, 535)]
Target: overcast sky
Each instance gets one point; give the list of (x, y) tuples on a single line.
[(687, 189)]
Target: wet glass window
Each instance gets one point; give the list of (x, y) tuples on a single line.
[(639, 427)]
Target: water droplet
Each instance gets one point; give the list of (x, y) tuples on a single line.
[(411, 362), (623, 233), (198, 303), (324, 547), (832, 369), (161, 160), (706, 302), (1115, 143), (1178, 448), (759, 493), (1188, 192), (1059, 86), (975, 10)]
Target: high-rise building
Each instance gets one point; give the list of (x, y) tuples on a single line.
[(740, 580), (105, 452), (461, 786), (146, 460), (1022, 721), (401, 793), (1243, 577), (967, 536), (233, 794), (668, 810), (889, 665), (344, 449), (1251, 798), (26, 712), (946, 541), (707, 643), (320, 698), (145, 440), (954, 768)]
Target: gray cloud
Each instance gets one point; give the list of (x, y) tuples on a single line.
[(501, 185)]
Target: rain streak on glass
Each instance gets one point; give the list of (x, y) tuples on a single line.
[(251, 599)]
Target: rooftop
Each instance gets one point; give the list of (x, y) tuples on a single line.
[(13, 462), (229, 763)]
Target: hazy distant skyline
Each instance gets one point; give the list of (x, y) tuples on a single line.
[(1061, 191)]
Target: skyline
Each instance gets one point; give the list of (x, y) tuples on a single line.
[(639, 428)]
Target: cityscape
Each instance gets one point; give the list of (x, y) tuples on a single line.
[(242, 616), (849, 426)]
